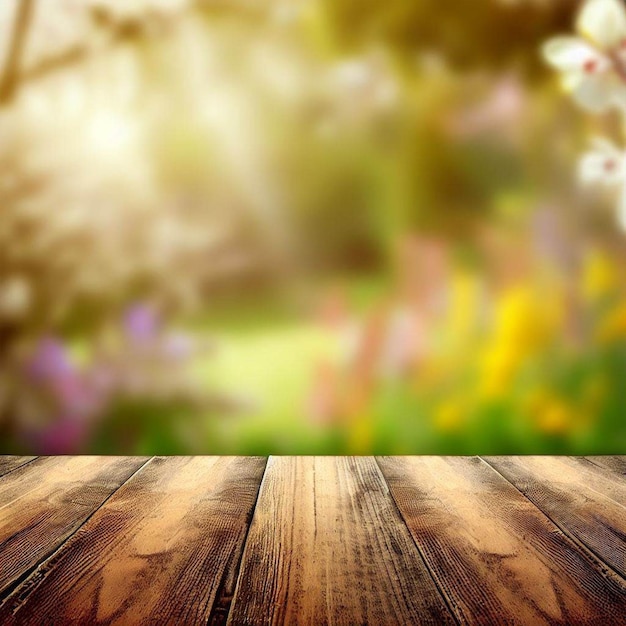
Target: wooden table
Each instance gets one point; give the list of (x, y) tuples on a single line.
[(312, 540)]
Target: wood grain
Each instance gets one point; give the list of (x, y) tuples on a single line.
[(506, 540), (615, 464), (585, 501), (498, 559), (45, 501), (9, 463), (158, 552), (327, 546)]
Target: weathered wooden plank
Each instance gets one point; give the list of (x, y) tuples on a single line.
[(44, 502), (327, 546), (8, 463), (158, 552), (585, 501), (615, 464), (497, 557)]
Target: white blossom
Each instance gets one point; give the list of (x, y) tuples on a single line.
[(606, 165), (593, 65)]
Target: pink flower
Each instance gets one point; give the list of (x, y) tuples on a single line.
[(65, 435)]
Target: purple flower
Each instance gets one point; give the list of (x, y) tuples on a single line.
[(140, 323), (64, 436), (66, 389), (49, 361)]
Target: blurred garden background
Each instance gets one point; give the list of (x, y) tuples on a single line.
[(302, 226)]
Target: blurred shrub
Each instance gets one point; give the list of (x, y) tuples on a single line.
[(533, 365)]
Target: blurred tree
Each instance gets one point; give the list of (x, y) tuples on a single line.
[(10, 71), (492, 34)]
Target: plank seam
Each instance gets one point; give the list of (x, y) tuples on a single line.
[(604, 468), (10, 471), (220, 611), (15, 586), (447, 601), (588, 461), (595, 559)]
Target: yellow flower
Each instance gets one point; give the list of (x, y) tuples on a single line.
[(555, 416), (525, 319), (600, 276), (527, 316), (500, 364), (612, 326), (450, 415), (464, 305)]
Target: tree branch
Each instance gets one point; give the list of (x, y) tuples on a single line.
[(10, 75)]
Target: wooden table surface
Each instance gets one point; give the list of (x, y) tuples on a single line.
[(313, 540)]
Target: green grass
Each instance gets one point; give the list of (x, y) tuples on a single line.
[(270, 370), (266, 354), (267, 350)]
